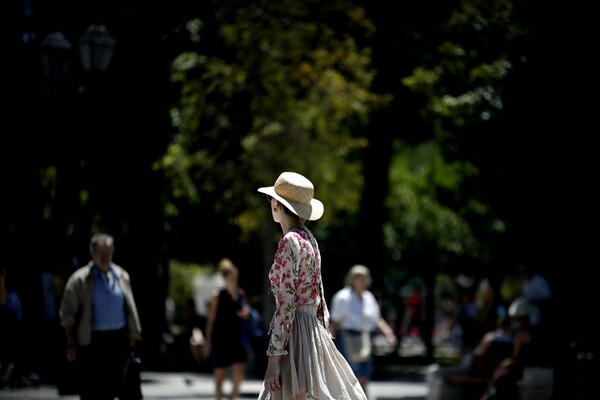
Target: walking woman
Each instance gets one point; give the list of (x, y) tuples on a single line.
[(355, 319), (226, 346), (303, 361)]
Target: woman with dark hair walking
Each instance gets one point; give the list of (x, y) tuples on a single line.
[(303, 361), (226, 345)]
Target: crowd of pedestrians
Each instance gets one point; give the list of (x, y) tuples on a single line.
[(502, 339), (505, 341)]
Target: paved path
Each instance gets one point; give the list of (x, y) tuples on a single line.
[(189, 385)]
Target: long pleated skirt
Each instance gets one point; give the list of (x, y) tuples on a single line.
[(313, 365)]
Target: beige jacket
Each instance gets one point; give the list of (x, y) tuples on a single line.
[(76, 305)]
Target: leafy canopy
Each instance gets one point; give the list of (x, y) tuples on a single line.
[(281, 86)]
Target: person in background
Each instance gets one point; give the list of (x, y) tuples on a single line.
[(194, 326), (257, 341), (413, 316), (535, 290), (356, 317), (3, 291), (494, 347), (303, 361), (100, 318), (11, 342), (504, 382), (468, 326), (226, 345)]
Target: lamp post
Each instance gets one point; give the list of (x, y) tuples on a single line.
[(54, 55), (69, 77), (96, 47), (87, 165), (49, 149)]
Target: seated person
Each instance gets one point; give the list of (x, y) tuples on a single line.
[(494, 347)]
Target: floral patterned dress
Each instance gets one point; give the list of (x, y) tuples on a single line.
[(299, 331)]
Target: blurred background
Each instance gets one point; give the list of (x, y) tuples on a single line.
[(445, 138)]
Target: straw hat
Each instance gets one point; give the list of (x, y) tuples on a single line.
[(296, 193)]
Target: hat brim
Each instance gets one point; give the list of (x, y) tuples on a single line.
[(310, 212)]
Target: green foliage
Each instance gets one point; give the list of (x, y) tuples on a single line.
[(445, 288), (435, 200), (464, 79), (181, 279), (418, 176), (511, 287), (281, 87)]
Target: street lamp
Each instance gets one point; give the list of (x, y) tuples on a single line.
[(96, 47), (76, 110), (54, 55)]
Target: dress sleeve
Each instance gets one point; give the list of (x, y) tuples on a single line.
[(282, 276)]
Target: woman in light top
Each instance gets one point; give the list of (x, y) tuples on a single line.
[(356, 317)]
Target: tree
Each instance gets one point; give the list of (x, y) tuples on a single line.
[(443, 213), (265, 88)]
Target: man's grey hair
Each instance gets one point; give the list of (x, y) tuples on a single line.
[(101, 237)]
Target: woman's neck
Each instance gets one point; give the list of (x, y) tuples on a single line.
[(232, 290), (289, 223)]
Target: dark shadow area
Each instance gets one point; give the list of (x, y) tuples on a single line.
[(402, 398), (393, 368)]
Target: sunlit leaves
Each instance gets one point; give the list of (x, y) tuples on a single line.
[(417, 177), (283, 89), (464, 84)]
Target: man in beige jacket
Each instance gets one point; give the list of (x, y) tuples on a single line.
[(101, 322)]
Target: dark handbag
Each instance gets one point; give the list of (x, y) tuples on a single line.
[(132, 381)]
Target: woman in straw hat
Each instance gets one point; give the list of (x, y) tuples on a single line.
[(303, 361)]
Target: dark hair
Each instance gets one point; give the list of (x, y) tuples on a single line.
[(225, 272), (293, 214)]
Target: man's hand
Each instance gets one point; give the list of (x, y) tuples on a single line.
[(71, 353)]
